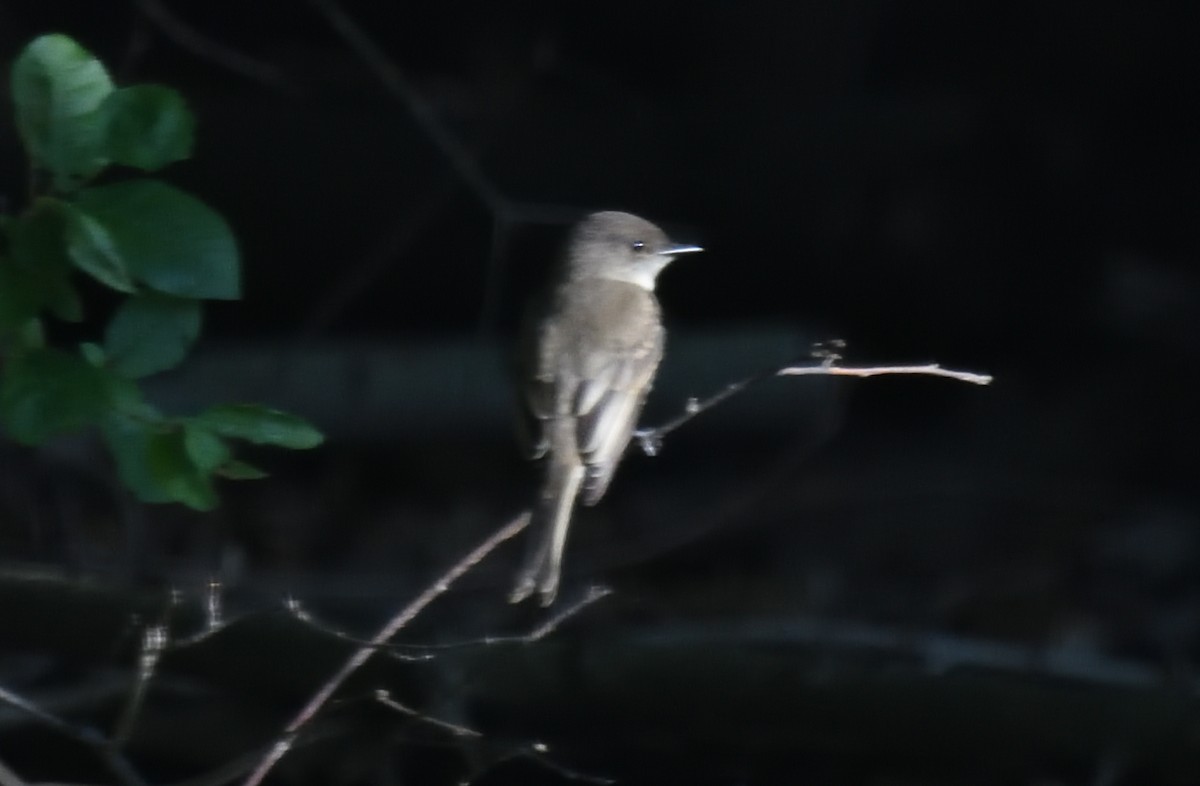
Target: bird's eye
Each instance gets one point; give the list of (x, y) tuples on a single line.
[(637, 245)]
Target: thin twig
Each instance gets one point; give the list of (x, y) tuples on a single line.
[(593, 594), (101, 745), (538, 752), (928, 369), (463, 161), (650, 439), (402, 231), (187, 37), (363, 653), (154, 642), (385, 698), (234, 769), (305, 618), (394, 80), (418, 653)]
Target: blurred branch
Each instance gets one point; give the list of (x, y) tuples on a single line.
[(568, 611), (425, 652), (650, 440), (394, 80), (190, 39), (464, 163), (103, 747), (384, 698), (933, 654), (460, 158), (364, 652), (399, 236), (154, 642), (535, 751)]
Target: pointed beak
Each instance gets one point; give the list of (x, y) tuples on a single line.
[(679, 248)]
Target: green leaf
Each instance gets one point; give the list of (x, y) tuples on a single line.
[(130, 441), (93, 353), (58, 87), (47, 392), (172, 468), (94, 251), (261, 425), (151, 333), (37, 273), (153, 461), (240, 470), (20, 300), (206, 450), (32, 335), (166, 238), (148, 126)]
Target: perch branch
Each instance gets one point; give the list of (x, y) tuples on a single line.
[(650, 439)]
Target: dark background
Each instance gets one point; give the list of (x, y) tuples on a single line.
[(901, 580)]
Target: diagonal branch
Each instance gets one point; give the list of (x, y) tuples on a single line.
[(361, 655), (104, 747), (187, 37), (394, 80)]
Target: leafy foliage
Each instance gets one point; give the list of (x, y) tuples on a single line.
[(162, 248)]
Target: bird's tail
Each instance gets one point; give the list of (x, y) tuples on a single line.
[(548, 533)]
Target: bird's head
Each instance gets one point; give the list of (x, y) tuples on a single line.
[(620, 247)]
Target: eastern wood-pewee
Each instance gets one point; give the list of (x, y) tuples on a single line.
[(587, 368)]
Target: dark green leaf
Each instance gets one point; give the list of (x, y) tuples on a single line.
[(57, 87), (94, 251), (153, 461), (47, 392), (32, 335), (261, 426), (20, 301), (206, 450), (130, 441), (166, 238), (240, 470), (151, 333), (93, 353), (176, 473), (149, 126), (66, 304), (37, 273)]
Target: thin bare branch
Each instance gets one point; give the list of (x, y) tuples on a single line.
[(828, 356), (402, 230), (592, 595), (385, 698), (304, 617), (361, 655), (928, 369), (190, 39), (539, 751), (397, 84), (154, 642), (101, 745)]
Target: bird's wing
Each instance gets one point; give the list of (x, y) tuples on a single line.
[(607, 404), (538, 375)]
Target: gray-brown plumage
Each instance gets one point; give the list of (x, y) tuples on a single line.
[(588, 366)]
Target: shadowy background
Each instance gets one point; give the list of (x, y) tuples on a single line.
[(901, 580)]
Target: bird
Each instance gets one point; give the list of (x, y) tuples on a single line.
[(585, 368)]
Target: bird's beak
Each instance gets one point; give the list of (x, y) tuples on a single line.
[(679, 248)]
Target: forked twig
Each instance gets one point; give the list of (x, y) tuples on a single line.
[(364, 652)]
